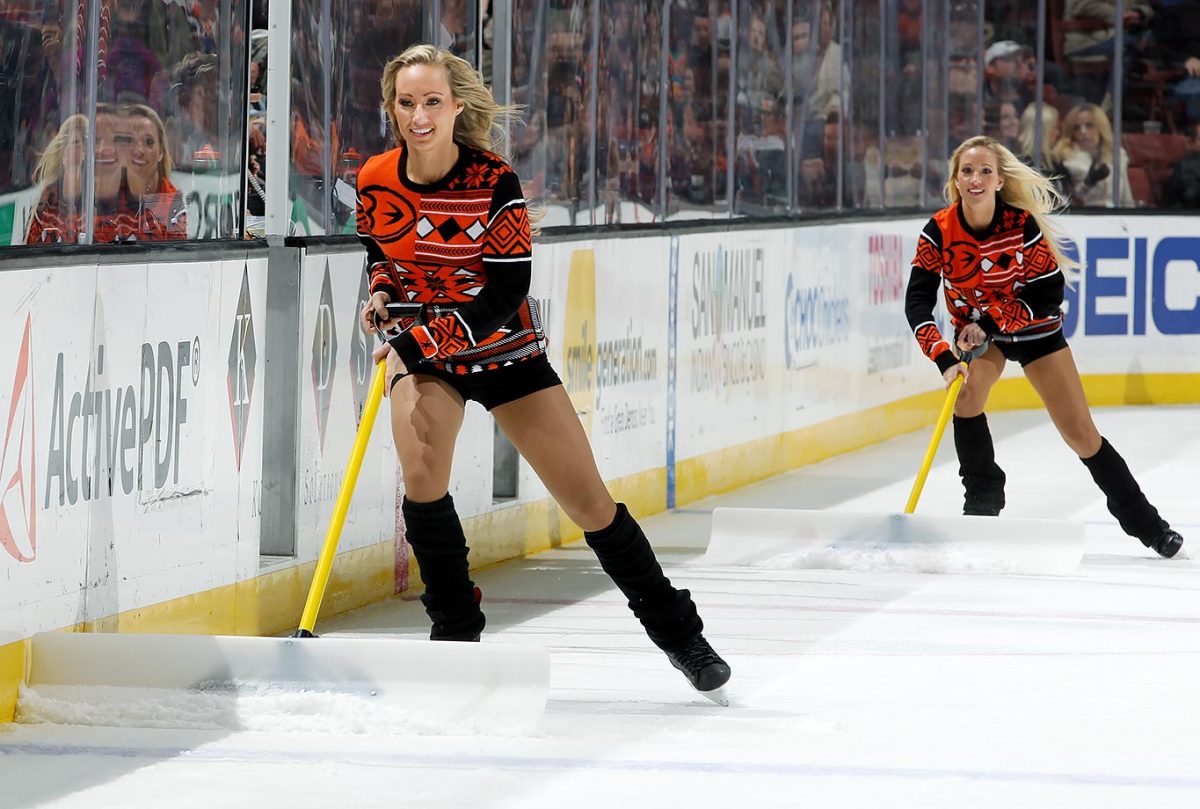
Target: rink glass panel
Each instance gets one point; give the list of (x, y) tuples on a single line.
[(135, 111), (828, 105)]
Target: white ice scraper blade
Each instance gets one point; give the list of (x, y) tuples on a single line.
[(793, 538), (364, 684)]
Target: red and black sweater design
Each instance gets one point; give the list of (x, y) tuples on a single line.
[(1006, 279), (463, 247), (158, 216)]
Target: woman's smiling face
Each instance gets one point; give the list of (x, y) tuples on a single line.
[(425, 108), (978, 177)]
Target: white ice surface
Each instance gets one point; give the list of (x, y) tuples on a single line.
[(851, 688)]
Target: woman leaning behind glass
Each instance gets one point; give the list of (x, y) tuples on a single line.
[(1085, 149)]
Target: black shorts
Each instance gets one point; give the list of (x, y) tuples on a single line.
[(501, 386), (1026, 351)]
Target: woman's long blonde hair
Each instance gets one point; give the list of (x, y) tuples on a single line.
[(1028, 130), (1024, 188), (50, 165), (483, 122), (1066, 138)]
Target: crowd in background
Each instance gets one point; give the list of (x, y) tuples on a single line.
[(634, 111)]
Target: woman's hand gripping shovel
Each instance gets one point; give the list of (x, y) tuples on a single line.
[(929, 543), (369, 681)]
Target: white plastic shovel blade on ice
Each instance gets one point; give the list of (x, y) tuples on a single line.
[(302, 681), (353, 684), (795, 538)]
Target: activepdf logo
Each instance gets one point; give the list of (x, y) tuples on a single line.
[(18, 477)]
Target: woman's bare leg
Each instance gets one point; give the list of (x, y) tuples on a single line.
[(1056, 380), (545, 429)]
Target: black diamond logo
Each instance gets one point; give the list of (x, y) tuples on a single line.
[(449, 229), (243, 357), (360, 350), (324, 352)]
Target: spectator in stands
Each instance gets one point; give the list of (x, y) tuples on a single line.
[(1002, 122), (192, 130), (826, 96), (804, 60), (904, 46), (818, 166), (29, 86), (759, 73), (142, 152), (1177, 45), (1183, 188), (1090, 50), (1003, 73), (132, 64), (1041, 155), (1085, 149)]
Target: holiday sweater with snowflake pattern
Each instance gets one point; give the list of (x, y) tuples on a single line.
[(462, 246), (1004, 278)]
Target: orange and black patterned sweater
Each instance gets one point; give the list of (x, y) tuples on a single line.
[(1005, 278), (461, 246)]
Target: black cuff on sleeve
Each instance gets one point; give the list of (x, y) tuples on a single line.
[(988, 325), (406, 346), (392, 292), (946, 360)]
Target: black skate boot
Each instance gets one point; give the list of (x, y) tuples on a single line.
[(1167, 544), (451, 599), (703, 667), (1128, 504), (983, 480), (668, 615)]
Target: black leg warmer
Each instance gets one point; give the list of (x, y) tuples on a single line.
[(1125, 499), (983, 480), (435, 534), (668, 615)]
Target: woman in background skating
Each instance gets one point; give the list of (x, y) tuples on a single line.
[(445, 225), (1001, 265)]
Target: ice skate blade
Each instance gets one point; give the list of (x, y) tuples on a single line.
[(717, 695)]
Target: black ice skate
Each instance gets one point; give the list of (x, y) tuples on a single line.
[(466, 627), (1167, 544), (703, 667)]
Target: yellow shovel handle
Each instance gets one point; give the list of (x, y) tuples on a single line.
[(316, 591), (943, 419)]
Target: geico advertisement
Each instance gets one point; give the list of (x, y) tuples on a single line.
[(1135, 304), (1131, 285), (125, 422)]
